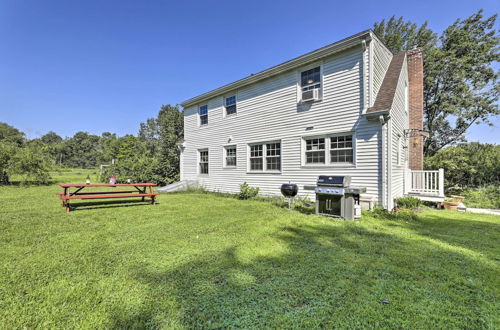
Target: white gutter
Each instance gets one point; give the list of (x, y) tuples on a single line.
[(390, 200), (383, 132)]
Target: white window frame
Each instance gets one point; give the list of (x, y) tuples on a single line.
[(325, 150), (200, 115), (230, 146), (264, 157), (328, 149), (198, 165), (235, 105), (299, 80)]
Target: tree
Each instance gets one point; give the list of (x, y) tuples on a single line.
[(82, 150), (128, 147), (11, 134), (149, 133), (7, 149), (399, 35), (161, 136), (32, 164), (461, 87), (468, 165), (171, 130), (107, 144), (51, 138)]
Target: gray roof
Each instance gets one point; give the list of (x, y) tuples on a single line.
[(387, 91)]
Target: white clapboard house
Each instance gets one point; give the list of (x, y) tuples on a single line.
[(349, 108)]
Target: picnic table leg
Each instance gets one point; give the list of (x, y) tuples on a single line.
[(67, 193), (152, 196)]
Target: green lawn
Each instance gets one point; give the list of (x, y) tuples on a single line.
[(201, 260)]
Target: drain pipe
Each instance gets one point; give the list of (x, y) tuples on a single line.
[(383, 131), (390, 199)]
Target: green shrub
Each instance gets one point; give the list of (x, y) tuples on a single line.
[(304, 205), (402, 214), (138, 169), (467, 165), (31, 164), (485, 197), (247, 192), (408, 202)]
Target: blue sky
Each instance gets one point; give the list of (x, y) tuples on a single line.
[(102, 66)]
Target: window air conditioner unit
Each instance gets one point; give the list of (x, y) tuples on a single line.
[(310, 95)]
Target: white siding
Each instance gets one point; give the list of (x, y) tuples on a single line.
[(381, 59), (268, 111), (399, 122)]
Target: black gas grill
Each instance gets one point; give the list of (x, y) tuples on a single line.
[(336, 197)]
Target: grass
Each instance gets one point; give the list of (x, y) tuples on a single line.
[(202, 260)]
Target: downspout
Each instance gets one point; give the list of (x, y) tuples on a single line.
[(383, 132), (366, 101), (390, 200)]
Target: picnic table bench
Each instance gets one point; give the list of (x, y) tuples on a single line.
[(140, 190)]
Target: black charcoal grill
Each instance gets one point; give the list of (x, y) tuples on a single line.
[(289, 190), (335, 197)]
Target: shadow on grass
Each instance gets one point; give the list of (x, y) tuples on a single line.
[(475, 235), (83, 206), (329, 276)]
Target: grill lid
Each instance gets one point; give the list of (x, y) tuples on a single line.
[(334, 181)]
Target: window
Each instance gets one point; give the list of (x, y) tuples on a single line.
[(256, 155), (315, 151), (310, 79), (230, 103), (231, 156), (265, 156), (330, 149), (204, 162), (203, 111), (273, 156), (341, 149)]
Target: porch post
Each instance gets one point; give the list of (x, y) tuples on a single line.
[(441, 182), (407, 181)]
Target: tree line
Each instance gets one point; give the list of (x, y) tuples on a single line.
[(151, 155)]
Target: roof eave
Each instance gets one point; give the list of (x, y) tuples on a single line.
[(375, 115), (283, 67)]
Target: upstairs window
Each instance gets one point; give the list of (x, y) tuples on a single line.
[(341, 149), (203, 112), (310, 79), (231, 156), (315, 151), (203, 161), (230, 104)]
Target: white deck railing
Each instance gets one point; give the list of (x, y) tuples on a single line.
[(429, 183)]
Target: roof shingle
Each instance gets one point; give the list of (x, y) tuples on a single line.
[(385, 95)]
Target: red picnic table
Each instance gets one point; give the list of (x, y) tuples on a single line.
[(138, 191)]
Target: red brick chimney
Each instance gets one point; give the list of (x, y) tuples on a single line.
[(416, 107)]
